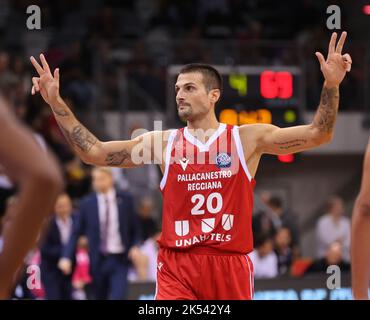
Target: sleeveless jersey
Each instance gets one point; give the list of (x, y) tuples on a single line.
[(207, 194)]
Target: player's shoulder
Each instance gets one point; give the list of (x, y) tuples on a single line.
[(164, 134), (255, 128), (255, 131), (250, 131), (154, 136)]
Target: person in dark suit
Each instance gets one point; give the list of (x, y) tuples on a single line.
[(108, 219), (57, 285)]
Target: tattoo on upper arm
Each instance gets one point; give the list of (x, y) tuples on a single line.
[(291, 144), (117, 158), (327, 112)]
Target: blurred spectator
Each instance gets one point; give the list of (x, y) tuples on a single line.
[(108, 219), (284, 218), (332, 227), (57, 285), (78, 179), (147, 222), (333, 256), (264, 259), (138, 271), (262, 224), (145, 260), (81, 279), (283, 250), (142, 181)]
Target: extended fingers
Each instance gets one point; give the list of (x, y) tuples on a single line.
[(320, 57), (35, 86), (332, 42), (56, 74), (38, 68), (35, 82), (341, 42), (44, 63), (347, 58), (347, 61)]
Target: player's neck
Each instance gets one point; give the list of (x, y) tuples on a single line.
[(205, 123)]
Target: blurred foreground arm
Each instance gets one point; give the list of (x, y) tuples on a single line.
[(39, 181), (360, 242)]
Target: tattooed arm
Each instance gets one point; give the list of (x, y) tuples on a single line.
[(86, 145), (145, 149), (274, 140)]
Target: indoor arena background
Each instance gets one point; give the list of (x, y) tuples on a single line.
[(118, 62)]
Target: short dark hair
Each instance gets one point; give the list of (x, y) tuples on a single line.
[(211, 77), (275, 202), (261, 239)]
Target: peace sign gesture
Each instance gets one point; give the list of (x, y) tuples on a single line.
[(336, 65), (46, 83)]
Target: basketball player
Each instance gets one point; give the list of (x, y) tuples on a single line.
[(360, 243), (39, 181), (208, 169)]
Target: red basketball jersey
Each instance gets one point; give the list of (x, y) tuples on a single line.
[(207, 194)]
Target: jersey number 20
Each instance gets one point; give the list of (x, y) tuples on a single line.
[(213, 203)]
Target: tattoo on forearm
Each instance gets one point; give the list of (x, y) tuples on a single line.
[(82, 138), (326, 114), (291, 144), (117, 158), (61, 112), (79, 137)]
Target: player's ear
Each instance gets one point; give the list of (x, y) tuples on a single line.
[(215, 95)]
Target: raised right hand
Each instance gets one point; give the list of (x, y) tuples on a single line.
[(46, 83)]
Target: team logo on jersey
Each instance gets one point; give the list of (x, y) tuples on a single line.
[(182, 227), (160, 265), (227, 221), (184, 163), (208, 225), (223, 160)]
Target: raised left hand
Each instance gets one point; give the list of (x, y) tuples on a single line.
[(336, 65)]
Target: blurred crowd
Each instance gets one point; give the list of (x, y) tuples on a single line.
[(106, 238), (113, 55), (277, 240)]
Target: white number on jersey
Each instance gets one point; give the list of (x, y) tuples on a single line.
[(199, 200)]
